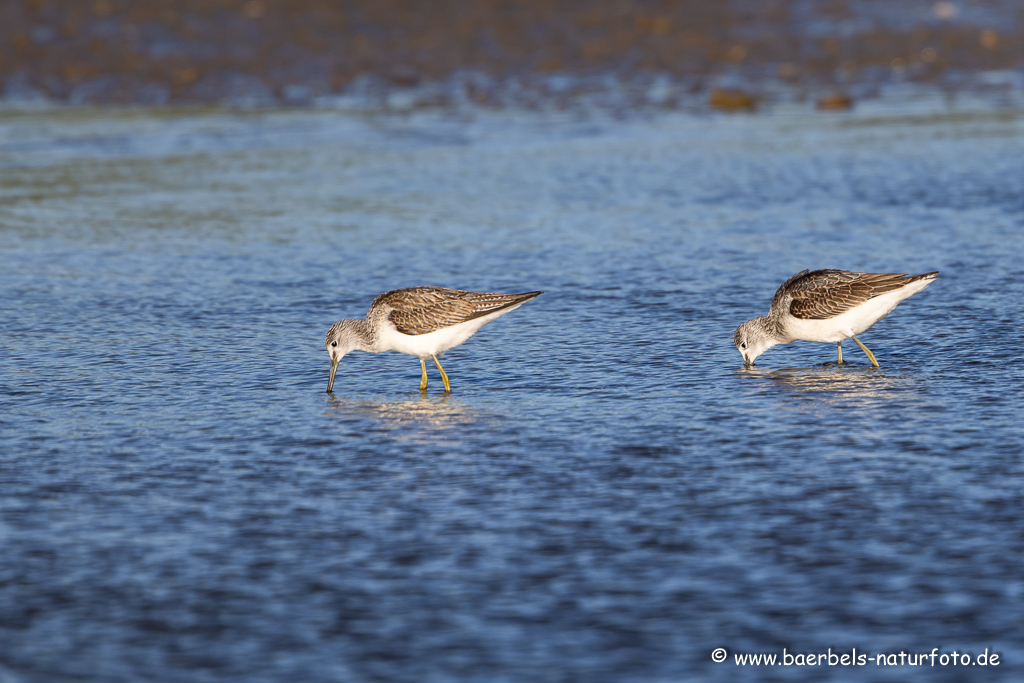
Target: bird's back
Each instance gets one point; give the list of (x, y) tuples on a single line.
[(828, 293), (422, 310)]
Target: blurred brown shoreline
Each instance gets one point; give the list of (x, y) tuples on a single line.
[(180, 51)]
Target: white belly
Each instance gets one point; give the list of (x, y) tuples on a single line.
[(854, 321), (433, 343)]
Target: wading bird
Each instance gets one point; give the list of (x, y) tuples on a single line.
[(827, 306), (421, 321)]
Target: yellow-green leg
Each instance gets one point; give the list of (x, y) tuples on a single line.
[(839, 346), (423, 380), (871, 356), (444, 376)]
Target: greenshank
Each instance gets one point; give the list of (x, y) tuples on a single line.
[(827, 306), (421, 321)]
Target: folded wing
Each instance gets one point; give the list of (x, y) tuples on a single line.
[(824, 294), (421, 310)]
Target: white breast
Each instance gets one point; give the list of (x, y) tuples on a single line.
[(433, 343), (854, 321)]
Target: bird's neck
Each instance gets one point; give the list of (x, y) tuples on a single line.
[(363, 334), (773, 326)]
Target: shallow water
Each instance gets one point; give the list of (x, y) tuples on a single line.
[(607, 494)]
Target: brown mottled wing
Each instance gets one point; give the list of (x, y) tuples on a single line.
[(421, 310), (823, 294)]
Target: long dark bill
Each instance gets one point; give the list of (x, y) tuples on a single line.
[(334, 369)]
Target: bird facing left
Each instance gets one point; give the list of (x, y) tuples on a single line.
[(420, 321)]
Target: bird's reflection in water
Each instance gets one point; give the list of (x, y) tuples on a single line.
[(423, 418), (833, 382)]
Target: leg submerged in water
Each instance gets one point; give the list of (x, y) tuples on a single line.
[(444, 376), (867, 351)]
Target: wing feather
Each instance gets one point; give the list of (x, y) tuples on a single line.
[(421, 310), (823, 294)]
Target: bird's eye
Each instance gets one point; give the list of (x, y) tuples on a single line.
[(334, 343), (743, 345)]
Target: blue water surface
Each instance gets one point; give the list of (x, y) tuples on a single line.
[(606, 495)]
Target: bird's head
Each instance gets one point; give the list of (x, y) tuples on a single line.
[(341, 338), (752, 339)]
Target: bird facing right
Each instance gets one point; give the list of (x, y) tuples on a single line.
[(827, 306)]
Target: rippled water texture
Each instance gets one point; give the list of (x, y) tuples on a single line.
[(607, 494)]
